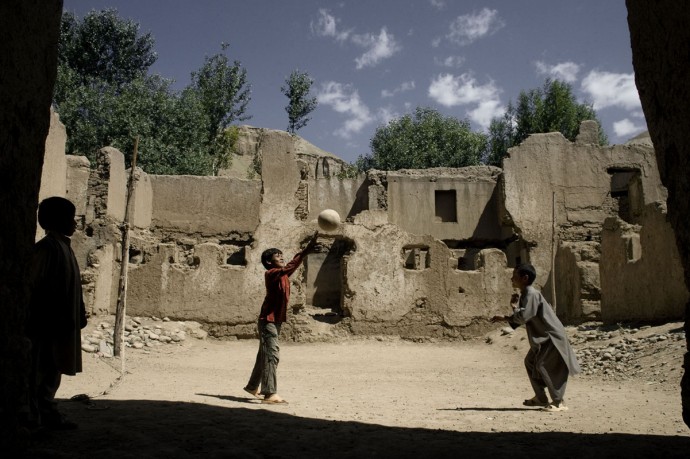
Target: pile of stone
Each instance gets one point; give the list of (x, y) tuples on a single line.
[(621, 354), (139, 334)]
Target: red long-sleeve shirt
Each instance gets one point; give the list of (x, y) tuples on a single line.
[(274, 307)]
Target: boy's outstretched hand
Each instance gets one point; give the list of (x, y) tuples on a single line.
[(499, 318), (311, 245)]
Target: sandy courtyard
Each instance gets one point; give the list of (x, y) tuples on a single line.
[(359, 398)]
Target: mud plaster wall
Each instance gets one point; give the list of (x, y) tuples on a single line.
[(641, 272), (199, 258), (414, 199), (204, 205), (577, 173)]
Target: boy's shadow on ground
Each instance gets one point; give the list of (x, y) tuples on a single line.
[(232, 398), (147, 428), (480, 408)]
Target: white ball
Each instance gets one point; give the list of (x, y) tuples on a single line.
[(328, 220)]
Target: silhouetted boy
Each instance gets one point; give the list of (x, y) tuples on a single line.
[(56, 313)]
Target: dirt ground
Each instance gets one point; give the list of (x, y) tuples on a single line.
[(362, 398)]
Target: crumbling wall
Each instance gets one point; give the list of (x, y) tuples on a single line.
[(641, 272), (448, 204), (419, 254), (347, 196), (54, 173), (581, 184), (207, 206)]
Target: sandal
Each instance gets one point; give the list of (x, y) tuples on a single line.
[(534, 401)]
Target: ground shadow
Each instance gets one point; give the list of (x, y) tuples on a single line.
[(232, 398), (481, 408), (145, 428)]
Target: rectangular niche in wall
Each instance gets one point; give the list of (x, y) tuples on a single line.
[(625, 194), (445, 205), (416, 257)]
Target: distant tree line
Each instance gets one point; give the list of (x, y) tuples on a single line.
[(105, 96), (426, 138)]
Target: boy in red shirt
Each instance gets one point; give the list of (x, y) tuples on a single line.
[(263, 380)]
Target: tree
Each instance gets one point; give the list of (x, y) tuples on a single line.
[(222, 90), (105, 47), (424, 139), (551, 108), (297, 88), (105, 96)]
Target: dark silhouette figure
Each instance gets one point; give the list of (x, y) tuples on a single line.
[(56, 313)]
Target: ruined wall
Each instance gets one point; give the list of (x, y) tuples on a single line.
[(54, 173), (641, 273), (204, 205), (578, 291), (347, 196), (448, 204), (590, 183), (391, 268)]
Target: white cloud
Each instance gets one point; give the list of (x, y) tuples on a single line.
[(627, 128), (345, 99), (450, 61), (564, 71), (486, 111), (386, 114), (404, 87), (380, 47), (451, 91), (438, 4), (612, 90), (470, 27), (325, 26), (436, 42)]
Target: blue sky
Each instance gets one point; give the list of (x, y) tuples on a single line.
[(372, 61)]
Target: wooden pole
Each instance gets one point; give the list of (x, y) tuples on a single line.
[(553, 250), (120, 310)]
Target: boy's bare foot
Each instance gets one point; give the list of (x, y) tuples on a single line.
[(274, 399), (254, 392), (555, 407)]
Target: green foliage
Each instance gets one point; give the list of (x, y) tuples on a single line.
[(297, 87), (422, 140), (349, 171), (106, 47), (105, 97), (223, 90), (551, 108)]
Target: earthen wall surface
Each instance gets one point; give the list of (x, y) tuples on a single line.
[(392, 267)]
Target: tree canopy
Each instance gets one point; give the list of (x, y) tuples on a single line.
[(105, 95), (422, 140), (551, 108), (300, 104)]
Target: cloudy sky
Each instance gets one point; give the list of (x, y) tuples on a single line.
[(372, 61)]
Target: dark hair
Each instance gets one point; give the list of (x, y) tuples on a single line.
[(55, 212), (267, 256), (526, 269)]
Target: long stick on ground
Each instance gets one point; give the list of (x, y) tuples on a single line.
[(120, 310)]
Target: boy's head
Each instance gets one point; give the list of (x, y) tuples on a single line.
[(57, 214), (523, 275), (272, 258)]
